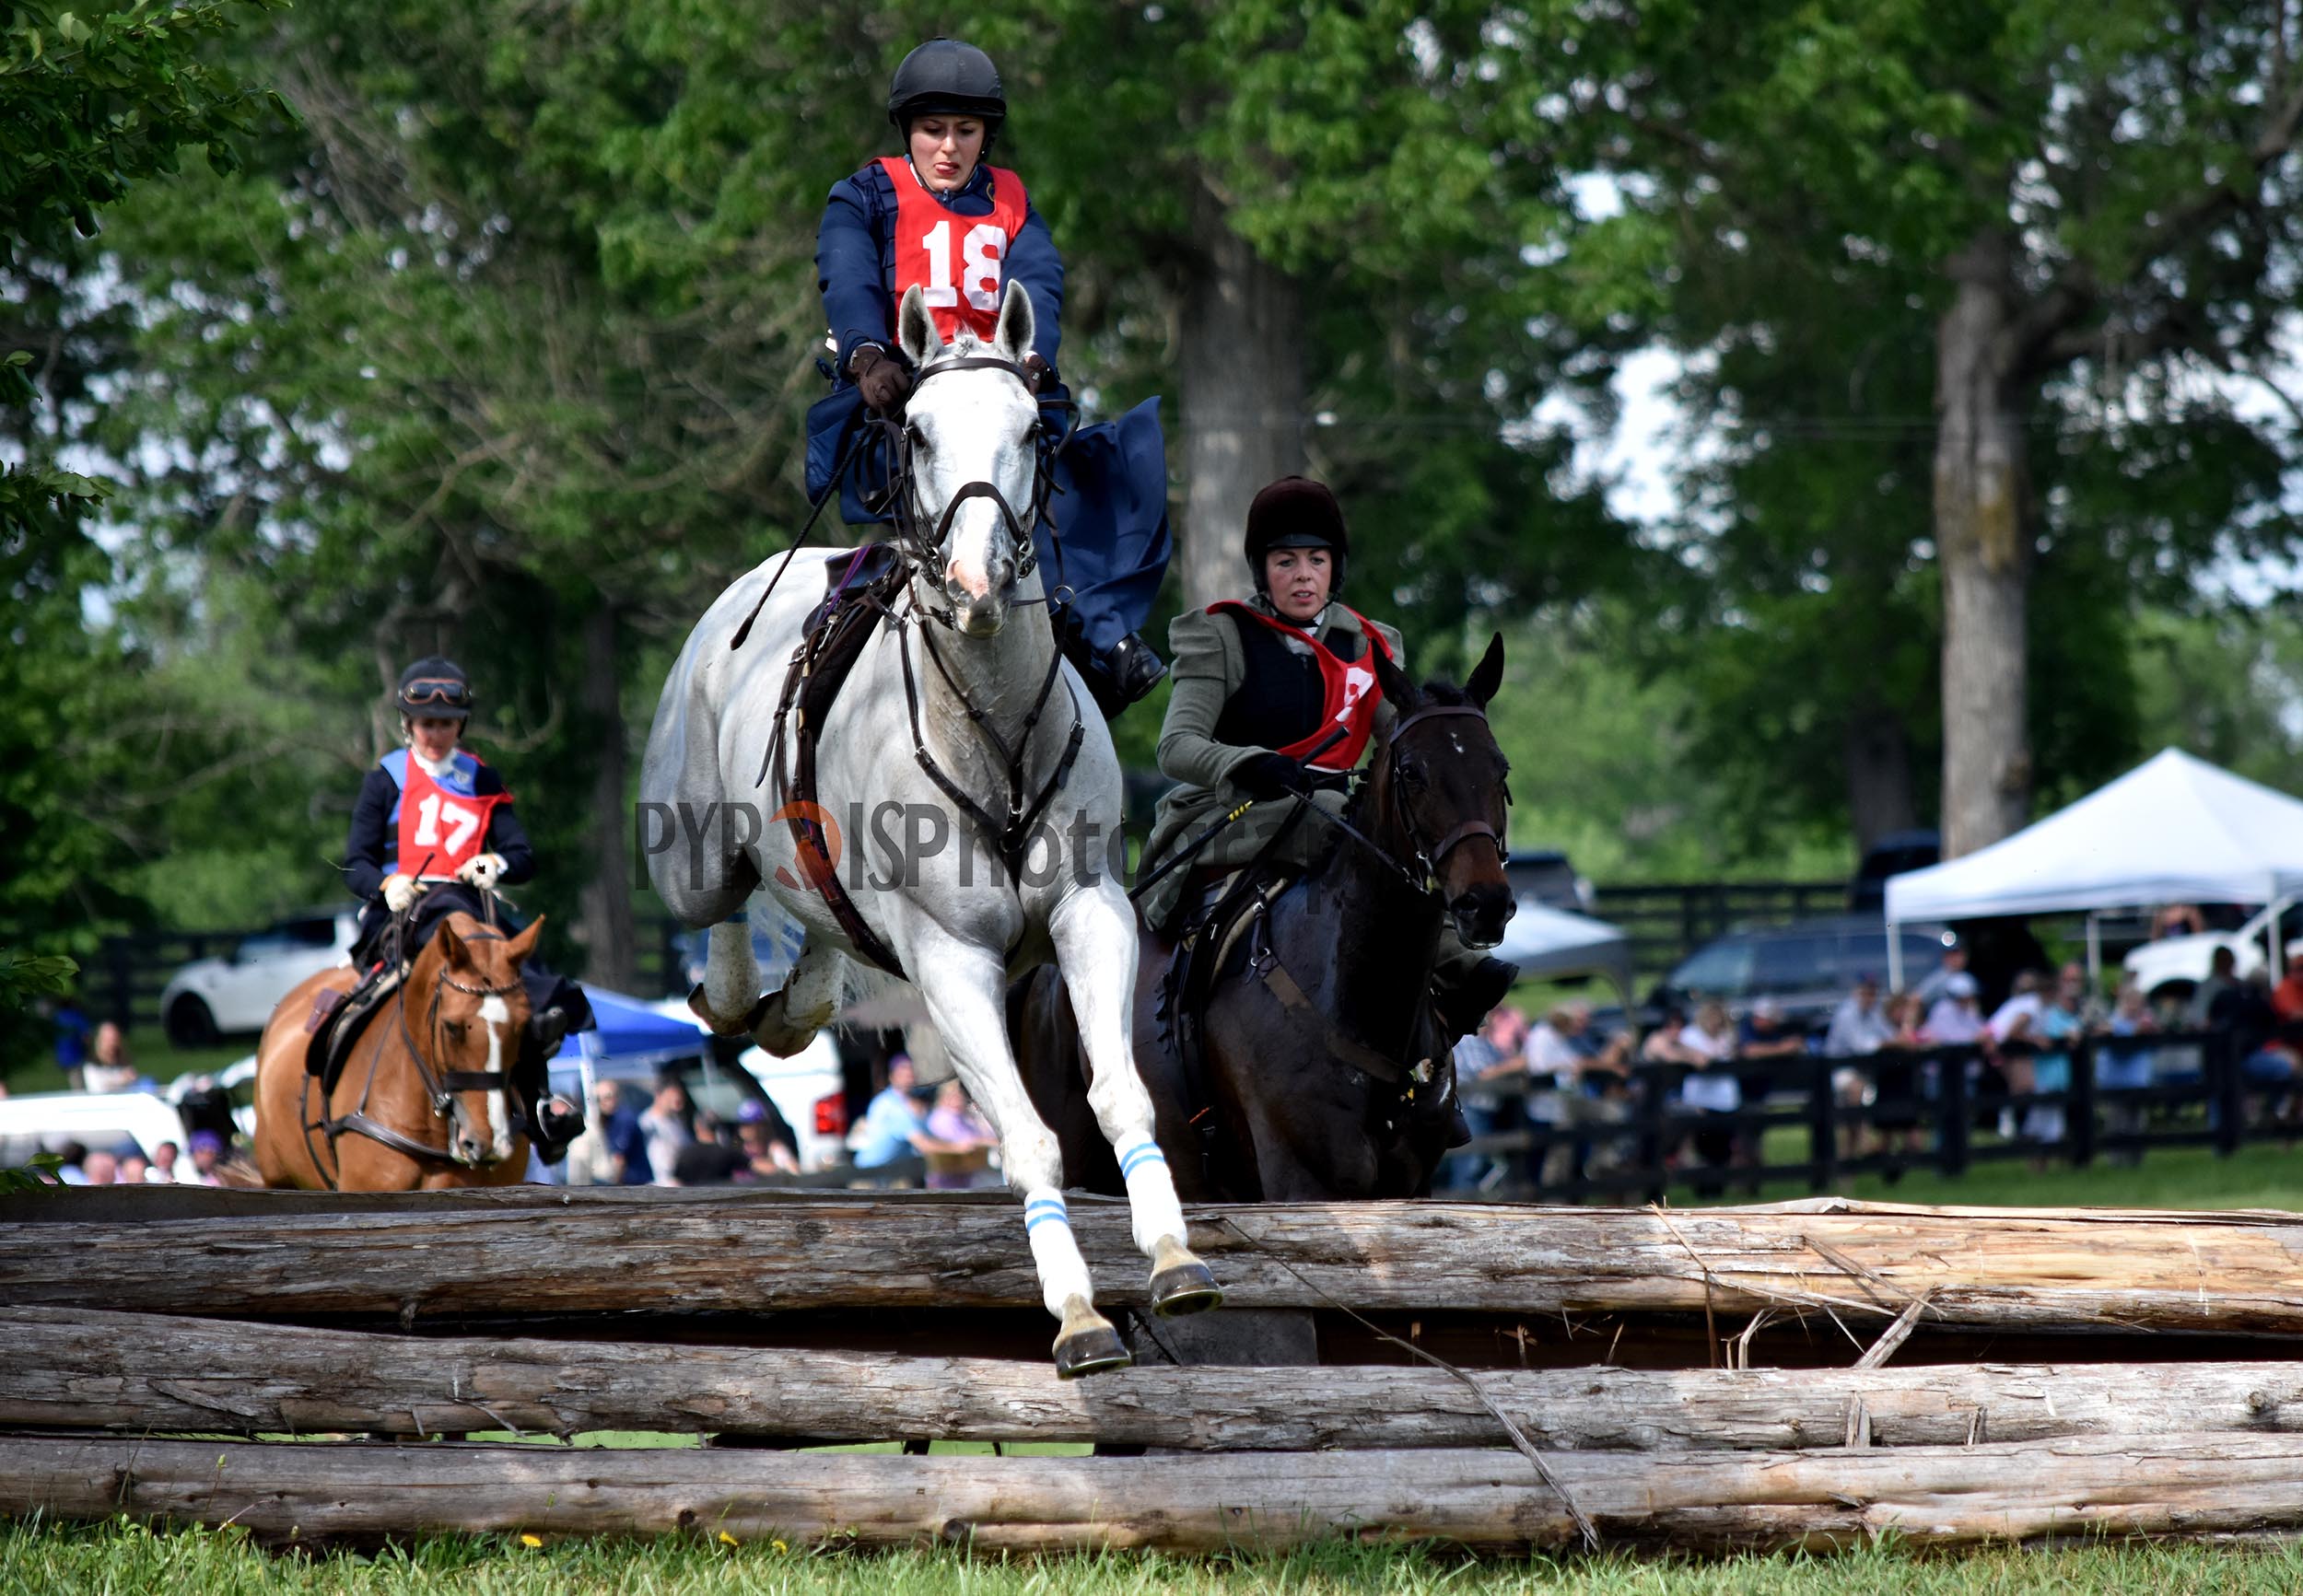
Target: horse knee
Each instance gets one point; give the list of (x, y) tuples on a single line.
[(1033, 1161)]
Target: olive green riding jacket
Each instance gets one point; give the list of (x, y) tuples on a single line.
[(1209, 667)]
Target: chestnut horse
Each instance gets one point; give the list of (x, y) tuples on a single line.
[(425, 1100)]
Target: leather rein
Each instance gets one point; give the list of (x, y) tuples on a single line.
[(439, 1085), (922, 549)]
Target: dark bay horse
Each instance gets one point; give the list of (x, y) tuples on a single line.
[(425, 1100), (1321, 1071)]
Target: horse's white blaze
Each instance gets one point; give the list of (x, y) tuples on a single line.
[(496, 1015)]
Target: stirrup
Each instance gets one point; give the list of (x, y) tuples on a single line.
[(551, 1129)]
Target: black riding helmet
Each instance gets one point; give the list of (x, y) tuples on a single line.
[(951, 76), (1297, 513), (434, 689)]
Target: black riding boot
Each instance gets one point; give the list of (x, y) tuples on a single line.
[(1119, 675), (1134, 667), (551, 1123), (1464, 1002)]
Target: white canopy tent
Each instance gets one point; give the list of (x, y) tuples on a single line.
[(1550, 944), (2174, 830)]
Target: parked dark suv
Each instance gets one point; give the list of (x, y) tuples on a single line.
[(1807, 966), (1544, 875), (1890, 855)]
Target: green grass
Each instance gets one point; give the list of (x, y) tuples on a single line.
[(56, 1559), (2259, 1175)]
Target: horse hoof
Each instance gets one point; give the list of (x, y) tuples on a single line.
[(1183, 1288), (1091, 1350), (771, 1025), (700, 1005)]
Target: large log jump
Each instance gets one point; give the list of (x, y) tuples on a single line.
[(753, 1252), (133, 1317)]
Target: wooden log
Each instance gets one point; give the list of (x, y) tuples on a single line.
[(544, 1251), (155, 1373), (1706, 1501)]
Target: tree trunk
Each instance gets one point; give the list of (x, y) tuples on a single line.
[(606, 931), (1879, 756), (683, 1253), (1713, 1501), (152, 1372), (1241, 387), (1984, 550)]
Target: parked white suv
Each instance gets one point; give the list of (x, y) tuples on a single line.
[(212, 997), (2177, 964)]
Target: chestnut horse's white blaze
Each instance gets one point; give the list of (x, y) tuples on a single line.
[(957, 919), (496, 1015)]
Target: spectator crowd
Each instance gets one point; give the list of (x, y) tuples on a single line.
[(908, 1133), (1579, 1086)]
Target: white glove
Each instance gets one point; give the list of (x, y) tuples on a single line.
[(400, 892), (480, 870)]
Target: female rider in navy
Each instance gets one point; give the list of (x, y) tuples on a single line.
[(938, 217), (1260, 685), (434, 828)]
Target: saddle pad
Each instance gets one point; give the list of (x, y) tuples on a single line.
[(330, 1043)]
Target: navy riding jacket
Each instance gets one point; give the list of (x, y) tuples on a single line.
[(855, 262), (370, 850)]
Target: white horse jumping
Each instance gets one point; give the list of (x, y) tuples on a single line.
[(960, 711)]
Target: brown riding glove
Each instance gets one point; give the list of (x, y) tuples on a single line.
[(884, 382)]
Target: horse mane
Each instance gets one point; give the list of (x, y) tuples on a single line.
[(1438, 690)]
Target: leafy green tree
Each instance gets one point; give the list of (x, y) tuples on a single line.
[(1318, 218), (509, 366), (93, 101), (2091, 215)]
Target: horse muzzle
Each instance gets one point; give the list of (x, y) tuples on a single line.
[(978, 615), (1480, 914)]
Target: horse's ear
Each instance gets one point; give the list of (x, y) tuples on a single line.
[(916, 329), (451, 948), (1487, 675), (1398, 691), (1018, 326), (520, 947)]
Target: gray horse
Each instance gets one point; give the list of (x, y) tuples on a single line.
[(959, 712)]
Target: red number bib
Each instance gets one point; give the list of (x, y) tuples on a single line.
[(1348, 697), (956, 262), (440, 829)]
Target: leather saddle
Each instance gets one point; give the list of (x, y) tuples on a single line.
[(338, 1019), (1222, 930), (859, 587)]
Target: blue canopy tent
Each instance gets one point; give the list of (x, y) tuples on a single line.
[(628, 1039)]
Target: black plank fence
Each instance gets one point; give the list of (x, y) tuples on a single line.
[(1633, 1137), (1665, 922)]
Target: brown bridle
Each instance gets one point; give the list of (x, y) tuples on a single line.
[(1429, 859)]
